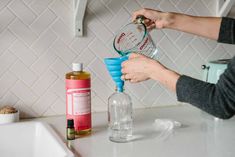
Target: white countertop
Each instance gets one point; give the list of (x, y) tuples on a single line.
[(199, 136)]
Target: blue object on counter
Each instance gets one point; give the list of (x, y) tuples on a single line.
[(114, 67)]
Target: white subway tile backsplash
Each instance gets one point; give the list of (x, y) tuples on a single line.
[(165, 98), (8, 98), (58, 88), (7, 81), (23, 73), (62, 11), (123, 16), (49, 112), (175, 2), (25, 111), (139, 90), (6, 17), (98, 104), (115, 5), (65, 33), (23, 32), (185, 56), (150, 3), (167, 5), (152, 95), (201, 9), (99, 29), (45, 101), (201, 47), (47, 80), (43, 62), (99, 69), (86, 57), (43, 21), (101, 89), (45, 40), (218, 53), (183, 40), (229, 48), (185, 5), (149, 83), (60, 68), (19, 8), (3, 3), (132, 6), (99, 49), (23, 52), (79, 44), (37, 47), (100, 11), (211, 44), (6, 61), (170, 48), (24, 93), (58, 107), (6, 40), (197, 62), (39, 6), (63, 51), (172, 34)]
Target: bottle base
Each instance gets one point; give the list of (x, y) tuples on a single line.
[(120, 140), (82, 133)]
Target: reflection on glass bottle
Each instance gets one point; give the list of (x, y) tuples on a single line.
[(120, 117)]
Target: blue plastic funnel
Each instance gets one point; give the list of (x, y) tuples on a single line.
[(114, 67)]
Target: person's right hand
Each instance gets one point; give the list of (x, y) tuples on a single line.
[(155, 18)]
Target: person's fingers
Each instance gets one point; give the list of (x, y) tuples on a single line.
[(123, 70), (123, 77), (150, 27), (126, 77), (137, 13), (149, 23), (123, 65)]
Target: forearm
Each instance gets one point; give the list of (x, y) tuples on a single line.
[(208, 27), (165, 76)]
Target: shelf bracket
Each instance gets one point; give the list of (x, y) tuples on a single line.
[(80, 8), (223, 7)]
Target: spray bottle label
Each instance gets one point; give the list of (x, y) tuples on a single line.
[(78, 103)]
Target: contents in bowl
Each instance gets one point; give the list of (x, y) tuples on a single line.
[(7, 110)]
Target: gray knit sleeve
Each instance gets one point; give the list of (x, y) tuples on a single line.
[(217, 99), (227, 31)]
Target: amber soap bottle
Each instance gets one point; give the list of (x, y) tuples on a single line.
[(78, 99)]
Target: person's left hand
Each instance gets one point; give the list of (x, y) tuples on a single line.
[(135, 69)]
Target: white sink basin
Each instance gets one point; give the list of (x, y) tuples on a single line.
[(31, 139)]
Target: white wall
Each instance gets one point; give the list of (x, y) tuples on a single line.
[(37, 47)]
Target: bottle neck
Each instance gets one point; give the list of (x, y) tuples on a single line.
[(119, 90)]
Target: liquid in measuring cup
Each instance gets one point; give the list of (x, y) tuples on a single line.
[(134, 37)]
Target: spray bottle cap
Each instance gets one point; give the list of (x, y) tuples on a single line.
[(77, 67)]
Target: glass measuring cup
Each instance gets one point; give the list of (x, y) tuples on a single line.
[(134, 37)]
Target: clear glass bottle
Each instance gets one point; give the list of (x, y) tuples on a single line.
[(120, 117)]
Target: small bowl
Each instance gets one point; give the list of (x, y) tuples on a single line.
[(9, 117)]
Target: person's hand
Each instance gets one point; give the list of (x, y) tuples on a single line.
[(139, 68), (155, 18)]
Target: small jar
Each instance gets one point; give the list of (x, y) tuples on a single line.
[(120, 117)]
